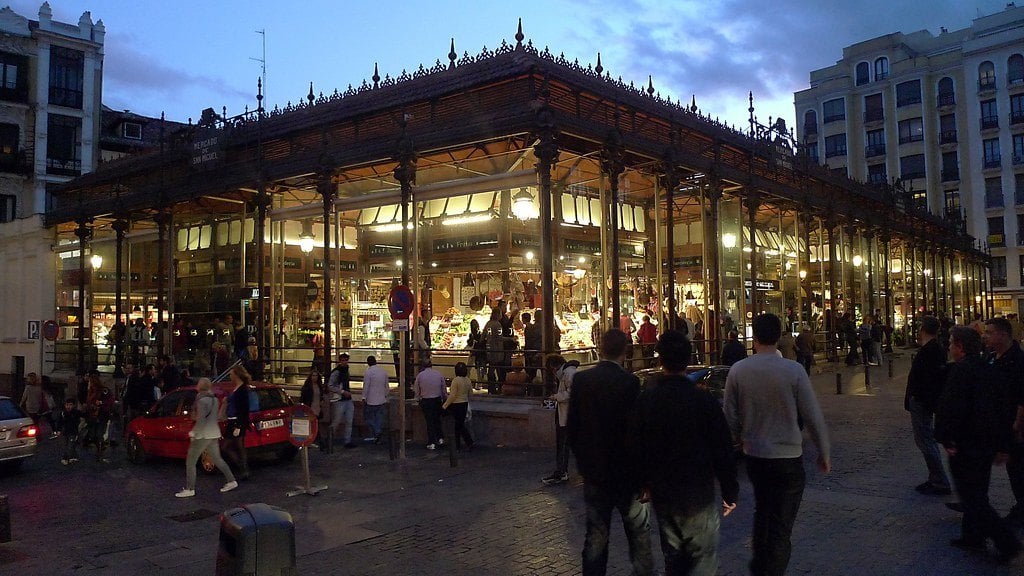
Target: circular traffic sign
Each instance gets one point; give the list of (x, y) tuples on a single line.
[(401, 302), (303, 428), (51, 330)]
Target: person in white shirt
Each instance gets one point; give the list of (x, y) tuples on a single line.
[(375, 397)]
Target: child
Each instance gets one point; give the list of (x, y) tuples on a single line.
[(68, 421)]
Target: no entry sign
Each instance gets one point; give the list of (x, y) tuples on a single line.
[(401, 302)]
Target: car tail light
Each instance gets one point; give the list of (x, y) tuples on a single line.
[(29, 431)]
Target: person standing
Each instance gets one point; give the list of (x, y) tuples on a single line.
[(313, 394), (205, 437), (1007, 359), (681, 444), (375, 397), (968, 424), (563, 373), (733, 351), (477, 346), (924, 387), (766, 398), (99, 405), (342, 411), (33, 398), (496, 368), (458, 403), (598, 419), (430, 395), (805, 348), (532, 344), (647, 335), (238, 421)]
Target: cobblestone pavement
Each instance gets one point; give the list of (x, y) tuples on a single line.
[(488, 515)]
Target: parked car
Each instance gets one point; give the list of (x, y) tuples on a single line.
[(19, 436), (163, 430), (711, 378)]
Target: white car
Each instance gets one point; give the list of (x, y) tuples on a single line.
[(19, 436)]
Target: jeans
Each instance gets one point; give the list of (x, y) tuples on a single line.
[(374, 417), (458, 411), (432, 414), (195, 449), (342, 412), (234, 448), (70, 443), (1015, 471), (561, 449), (689, 539), (635, 521), (778, 488), (972, 472), (922, 420)]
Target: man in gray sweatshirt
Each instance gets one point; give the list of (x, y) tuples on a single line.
[(768, 400)]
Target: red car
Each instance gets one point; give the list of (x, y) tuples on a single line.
[(163, 430)]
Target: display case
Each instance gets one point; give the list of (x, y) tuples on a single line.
[(371, 326)]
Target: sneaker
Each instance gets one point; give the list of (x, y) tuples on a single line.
[(186, 493), (64, 461), (431, 447), (556, 478), (440, 442), (229, 486)]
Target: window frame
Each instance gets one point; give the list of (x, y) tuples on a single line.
[(908, 125), (835, 145), (881, 68), (858, 79), (67, 77), (911, 97), (991, 155), (826, 118), (906, 173)]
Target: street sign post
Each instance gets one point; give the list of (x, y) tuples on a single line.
[(401, 303), (302, 432)]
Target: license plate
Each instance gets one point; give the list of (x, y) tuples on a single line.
[(265, 424)]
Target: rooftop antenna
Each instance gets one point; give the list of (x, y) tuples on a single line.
[(263, 61)]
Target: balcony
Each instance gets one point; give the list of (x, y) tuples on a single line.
[(987, 84), (911, 138), (947, 137), (945, 100), (908, 100), (835, 118), (993, 162), (873, 150), (911, 175), (835, 152), (874, 115), (1014, 82), (1018, 160), (951, 175), (877, 179), (989, 122), (1017, 117), (63, 167)]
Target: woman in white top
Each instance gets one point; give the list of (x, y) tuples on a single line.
[(205, 437)]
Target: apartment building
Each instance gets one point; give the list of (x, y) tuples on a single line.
[(944, 114)]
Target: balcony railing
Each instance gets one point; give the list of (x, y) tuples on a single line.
[(911, 138), (994, 201), (877, 179), (835, 152), (874, 115), (946, 100), (1016, 117), (986, 84), (908, 100), (872, 150), (993, 161), (63, 167), (912, 174), (1011, 82), (1018, 160), (989, 122), (810, 129), (947, 137), (950, 175), (835, 118)]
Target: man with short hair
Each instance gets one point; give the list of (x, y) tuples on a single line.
[(1007, 360), (340, 396), (375, 397), (970, 425), (170, 376), (733, 351), (924, 387), (563, 373), (430, 396), (599, 408), (681, 445), (532, 344), (766, 398)]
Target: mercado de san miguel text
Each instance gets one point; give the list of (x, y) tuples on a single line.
[(514, 179)]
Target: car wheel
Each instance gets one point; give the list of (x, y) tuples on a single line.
[(287, 454), (136, 453), (206, 463)]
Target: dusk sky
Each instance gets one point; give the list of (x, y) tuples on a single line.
[(182, 56)]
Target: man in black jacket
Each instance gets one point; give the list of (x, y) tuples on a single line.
[(924, 386), (599, 409), (1007, 359), (681, 445), (969, 424)]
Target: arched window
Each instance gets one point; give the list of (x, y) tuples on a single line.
[(986, 75), (946, 95), (862, 73), (881, 68), (1015, 70), (810, 123)]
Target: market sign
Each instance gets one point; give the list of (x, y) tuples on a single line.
[(475, 242), (687, 262), (763, 285), (207, 149)]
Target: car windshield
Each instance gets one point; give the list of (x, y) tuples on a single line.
[(271, 398), (9, 410)]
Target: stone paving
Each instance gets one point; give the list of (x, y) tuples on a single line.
[(488, 515)]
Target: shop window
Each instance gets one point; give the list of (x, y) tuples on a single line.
[(13, 77), (834, 110), (908, 93), (990, 150), (862, 73), (950, 166), (986, 76), (67, 70), (912, 166), (63, 145), (993, 192), (989, 114), (810, 123), (1015, 70), (835, 145), (947, 129), (881, 68), (876, 174), (996, 232), (874, 143), (911, 130), (8, 207), (873, 111), (998, 272), (946, 96)]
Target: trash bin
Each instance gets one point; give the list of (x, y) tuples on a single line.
[(256, 540)]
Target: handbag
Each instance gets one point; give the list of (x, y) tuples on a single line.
[(469, 413)]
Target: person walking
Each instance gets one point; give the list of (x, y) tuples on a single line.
[(205, 437), (599, 409), (681, 444), (1007, 360), (457, 404), (563, 373), (970, 426), (766, 399), (805, 348), (99, 405), (238, 422), (314, 394), (430, 395), (342, 410), (924, 387), (375, 397)]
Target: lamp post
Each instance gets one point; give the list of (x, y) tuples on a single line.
[(84, 233)]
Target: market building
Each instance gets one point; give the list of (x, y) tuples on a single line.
[(514, 179), (945, 114)]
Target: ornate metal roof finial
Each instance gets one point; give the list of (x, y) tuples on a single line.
[(750, 98), (376, 75), (452, 55), (519, 35), (693, 103), (599, 69), (310, 97), (650, 85), (259, 94)]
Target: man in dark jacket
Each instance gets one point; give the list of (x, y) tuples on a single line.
[(733, 351), (1007, 359), (599, 408), (681, 445), (967, 424), (924, 386)]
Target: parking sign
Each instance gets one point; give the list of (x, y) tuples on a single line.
[(33, 329)]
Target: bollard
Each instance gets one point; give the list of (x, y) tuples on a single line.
[(867, 376), (5, 519), (839, 382), (890, 367)]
